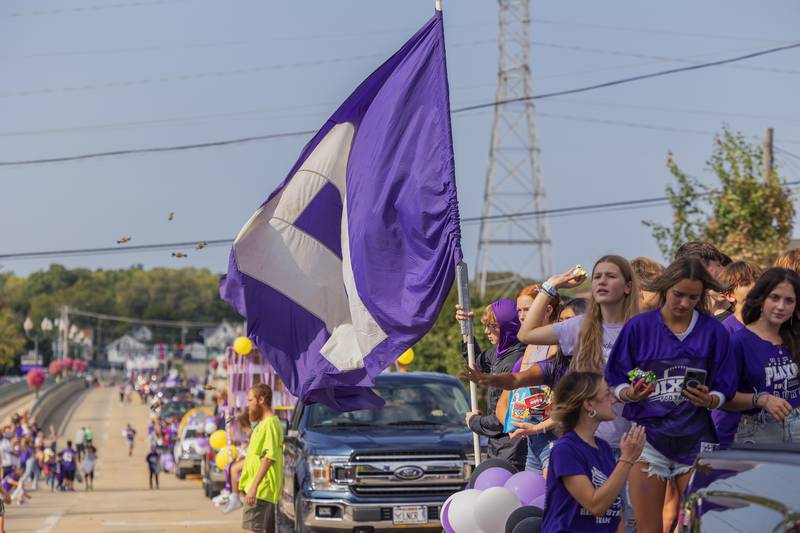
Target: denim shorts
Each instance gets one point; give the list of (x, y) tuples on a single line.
[(762, 429), (539, 447), (661, 466)]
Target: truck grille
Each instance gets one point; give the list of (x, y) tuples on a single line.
[(403, 473)]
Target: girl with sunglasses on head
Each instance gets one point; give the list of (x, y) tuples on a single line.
[(671, 367), (767, 353)]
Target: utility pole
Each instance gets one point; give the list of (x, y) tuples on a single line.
[(768, 154), (64, 330)]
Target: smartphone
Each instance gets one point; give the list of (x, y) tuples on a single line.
[(694, 377)]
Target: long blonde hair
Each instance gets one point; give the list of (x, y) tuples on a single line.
[(589, 350)]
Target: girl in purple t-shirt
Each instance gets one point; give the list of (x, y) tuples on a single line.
[(688, 351), (585, 481), (767, 353)]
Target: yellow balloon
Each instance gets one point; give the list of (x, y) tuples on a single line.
[(407, 358), (217, 439), (242, 345), (223, 457)]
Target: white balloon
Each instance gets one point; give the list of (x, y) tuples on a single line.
[(493, 507), (210, 426), (461, 514)]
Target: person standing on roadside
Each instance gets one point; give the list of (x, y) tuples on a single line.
[(80, 437), (262, 472), (87, 465), (154, 465), (67, 456), (130, 435)]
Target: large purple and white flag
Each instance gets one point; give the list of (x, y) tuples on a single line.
[(348, 262)]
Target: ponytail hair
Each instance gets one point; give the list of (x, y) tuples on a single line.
[(569, 395)]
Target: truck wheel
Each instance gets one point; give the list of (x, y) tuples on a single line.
[(299, 517)]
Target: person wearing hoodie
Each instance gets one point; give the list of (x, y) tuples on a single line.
[(501, 325)]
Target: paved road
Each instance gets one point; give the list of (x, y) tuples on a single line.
[(121, 501)]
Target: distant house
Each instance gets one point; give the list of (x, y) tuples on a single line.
[(216, 339), (196, 351), (126, 347), (142, 334)]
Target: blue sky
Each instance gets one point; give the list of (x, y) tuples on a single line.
[(93, 75)]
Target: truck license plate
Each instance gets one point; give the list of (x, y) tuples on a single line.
[(411, 514)]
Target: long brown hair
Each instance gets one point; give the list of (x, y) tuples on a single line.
[(754, 304), (589, 350), (687, 267), (570, 393)]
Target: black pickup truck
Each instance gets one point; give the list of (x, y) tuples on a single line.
[(376, 470)]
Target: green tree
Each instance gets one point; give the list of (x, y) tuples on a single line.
[(745, 214), (12, 341)]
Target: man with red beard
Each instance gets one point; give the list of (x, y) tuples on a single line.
[(262, 472)]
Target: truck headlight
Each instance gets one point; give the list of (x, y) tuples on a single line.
[(327, 472)]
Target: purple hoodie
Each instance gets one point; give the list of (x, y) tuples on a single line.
[(508, 321)]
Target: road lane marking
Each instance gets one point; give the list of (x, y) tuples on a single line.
[(181, 523), (50, 522)]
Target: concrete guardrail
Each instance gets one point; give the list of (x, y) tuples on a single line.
[(55, 396)]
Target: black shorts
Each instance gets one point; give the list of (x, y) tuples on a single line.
[(69, 475)]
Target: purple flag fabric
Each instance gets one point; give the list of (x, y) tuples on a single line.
[(347, 264)]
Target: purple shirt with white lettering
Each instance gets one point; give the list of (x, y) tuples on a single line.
[(765, 367), (674, 426), (572, 456), (727, 422)]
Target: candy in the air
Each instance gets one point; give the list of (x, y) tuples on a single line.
[(123, 240), (171, 215), (179, 254)]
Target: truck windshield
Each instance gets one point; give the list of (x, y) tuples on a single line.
[(429, 403)]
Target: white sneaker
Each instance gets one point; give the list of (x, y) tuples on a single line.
[(233, 503), (222, 499), (223, 495)]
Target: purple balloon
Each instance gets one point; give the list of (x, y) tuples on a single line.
[(446, 520), (538, 502), (492, 477), (526, 485)]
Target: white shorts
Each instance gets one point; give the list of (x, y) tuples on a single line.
[(660, 465)]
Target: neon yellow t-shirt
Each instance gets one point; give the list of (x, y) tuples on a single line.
[(266, 440)]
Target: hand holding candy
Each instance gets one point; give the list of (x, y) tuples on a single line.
[(637, 392), (637, 374)]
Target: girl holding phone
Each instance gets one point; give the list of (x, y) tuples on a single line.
[(688, 351)]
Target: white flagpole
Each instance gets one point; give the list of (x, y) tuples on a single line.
[(438, 5), (462, 282)]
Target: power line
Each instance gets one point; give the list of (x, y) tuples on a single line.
[(633, 78), (144, 321), (96, 7), (454, 111), (563, 211)]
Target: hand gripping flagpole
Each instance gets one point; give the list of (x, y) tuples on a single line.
[(462, 282)]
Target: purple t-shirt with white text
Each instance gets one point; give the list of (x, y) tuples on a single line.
[(727, 422), (572, 456), (765, 367), (674, 426), (567, 333)]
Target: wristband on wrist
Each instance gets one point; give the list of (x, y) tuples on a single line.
[(756, 397), (710, 405), (548, 289), (626, 461)]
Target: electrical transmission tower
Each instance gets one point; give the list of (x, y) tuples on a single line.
[(514, 183)]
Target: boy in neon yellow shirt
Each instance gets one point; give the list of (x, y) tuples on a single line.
[(262, 472)]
